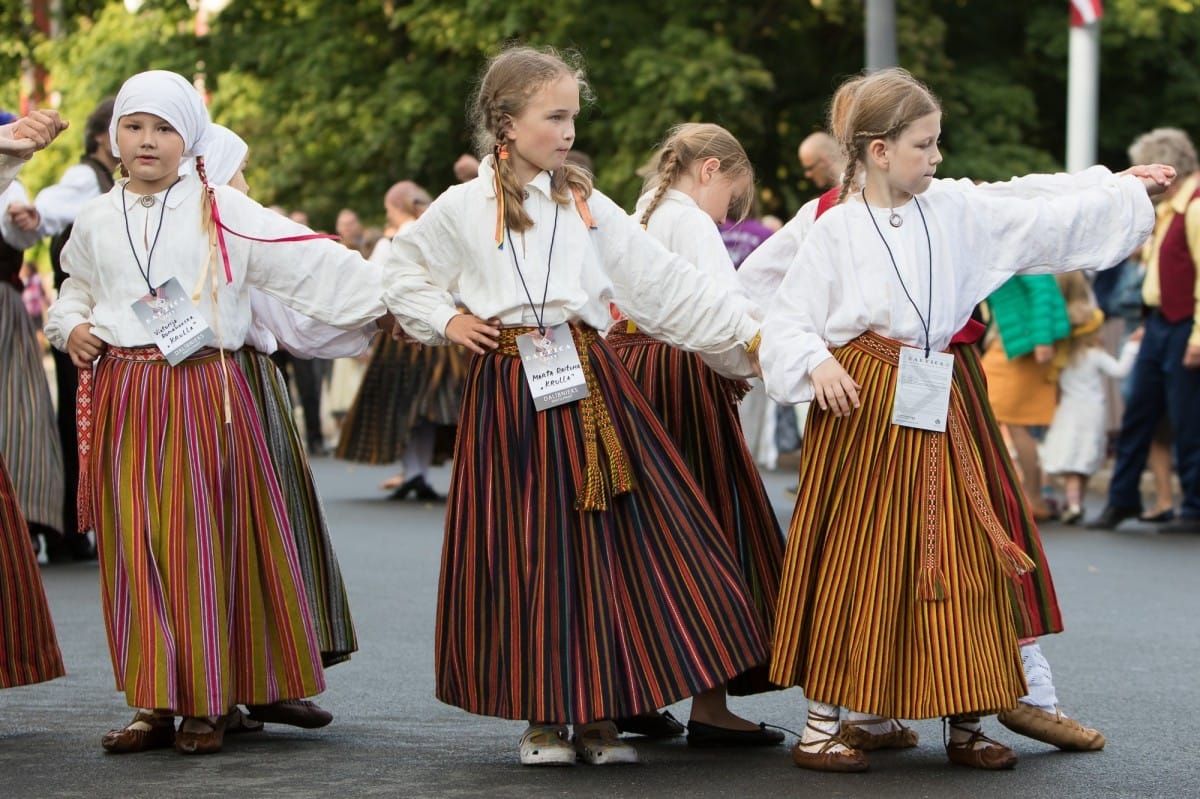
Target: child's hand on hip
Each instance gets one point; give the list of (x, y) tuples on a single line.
[(83, 347)]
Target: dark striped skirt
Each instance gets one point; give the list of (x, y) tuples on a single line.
[(1034, 602), (405, 384), (29, 440), (554, 613), (699, 409), (28, 648), (894, 598), (203, 598), (323, 585)]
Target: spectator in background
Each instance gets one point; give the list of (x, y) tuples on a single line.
[(466, 168), (1166, 374), (822, 160)]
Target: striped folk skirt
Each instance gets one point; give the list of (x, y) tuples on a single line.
[(894, 598), (405, 384), (583, 574), (1034, 602), (29, 441), (699, 409), (203, 598), (28, 648), (323, 585)]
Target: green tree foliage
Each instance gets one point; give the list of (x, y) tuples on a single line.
[(339, 99)]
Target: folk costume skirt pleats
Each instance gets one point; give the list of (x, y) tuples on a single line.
[(555, 613), (1034, 601), (203, 600), (322, 576), (894, 597), (405, 385), (28, 647), (29, 441), (699, 409)]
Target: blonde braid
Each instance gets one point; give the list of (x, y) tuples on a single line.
[(848, 177), (669, 167)]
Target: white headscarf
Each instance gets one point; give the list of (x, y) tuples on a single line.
[(169, 96), (224, 154)]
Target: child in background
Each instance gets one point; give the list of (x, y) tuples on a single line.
[(697, 177), (1077, 441)]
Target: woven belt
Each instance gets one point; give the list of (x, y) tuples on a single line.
[(598, 426)]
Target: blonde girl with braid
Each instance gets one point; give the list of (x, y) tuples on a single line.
[(698, 178), (894, 599), (583, 577)]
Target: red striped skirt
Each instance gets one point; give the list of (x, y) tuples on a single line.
[(28, 647), (894, 597), (1034, 602), (698, 408), (554, 613), (202, 596)]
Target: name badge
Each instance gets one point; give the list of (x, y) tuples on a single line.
[(923, 389), (174, 322), (552, 367)]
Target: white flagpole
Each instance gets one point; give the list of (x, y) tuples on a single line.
[(1083, 95)]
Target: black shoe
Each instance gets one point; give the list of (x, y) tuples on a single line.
[(419, 488), (706, 736), (651, 725), (1181, 524), (1111, 516)]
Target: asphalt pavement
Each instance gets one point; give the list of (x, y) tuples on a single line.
[(1126, 664)]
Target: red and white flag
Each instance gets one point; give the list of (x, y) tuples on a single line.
[(1085, 12)]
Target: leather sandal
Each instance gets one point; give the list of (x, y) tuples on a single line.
[(293, 712), (1053, 728), (238, 722), (994, 757), (147, 731), (849, 760), (206, 740), (899, 737)]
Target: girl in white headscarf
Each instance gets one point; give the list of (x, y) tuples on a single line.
[(201, 589)]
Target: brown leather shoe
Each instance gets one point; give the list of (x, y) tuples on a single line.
[(294, 712), (993, 757), (899, 737), (146, 731), (847, 761), (199, 736), (1051, 728)]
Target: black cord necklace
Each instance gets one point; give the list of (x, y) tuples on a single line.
[(129, 234), (925, 320), (537, 314)]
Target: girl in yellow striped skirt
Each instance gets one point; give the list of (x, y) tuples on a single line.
[(584, 578), (700, 174), (893, 600), (201, 588)]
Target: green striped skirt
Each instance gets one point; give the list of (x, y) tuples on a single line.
[(319, 568), (555, 613), (894, 597), (698, 408)]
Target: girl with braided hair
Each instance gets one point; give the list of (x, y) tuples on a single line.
[(584, 578), (700, 176), (202, 594), (894, 598)]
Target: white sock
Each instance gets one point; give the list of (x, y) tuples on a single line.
[(818, 729), (1041, 682), (961, 729)]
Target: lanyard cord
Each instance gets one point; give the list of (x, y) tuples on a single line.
[(149, 255), (927, 318), (538, 315)]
